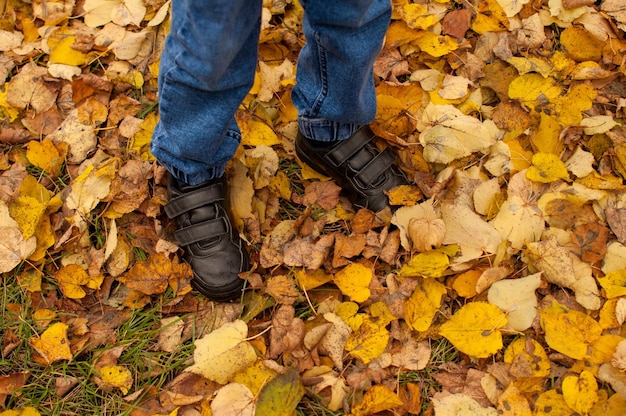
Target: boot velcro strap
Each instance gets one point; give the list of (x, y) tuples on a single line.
[(347, 148), (199, 232), (379, 164), (193, 199)]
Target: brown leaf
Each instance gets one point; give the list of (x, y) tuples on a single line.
[(301, 253), (11, 135), (363, 221), (457, 22), (591, 238), (282, 289), (149, 276), (390, 247), (28, 89), (347, 247), (616, 217), (390, 64), (287, 333), (324, 194)]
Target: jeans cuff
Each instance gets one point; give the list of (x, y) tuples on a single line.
[(195, 178), (326, 130)]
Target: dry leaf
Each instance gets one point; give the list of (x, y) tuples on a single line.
[(221, 354)]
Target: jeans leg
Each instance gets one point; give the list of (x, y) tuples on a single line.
[(207, 68), (334, 93)]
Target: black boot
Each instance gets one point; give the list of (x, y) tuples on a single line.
[(356, 164), (204, 229)]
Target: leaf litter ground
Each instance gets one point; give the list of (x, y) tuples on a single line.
[(498, 287)]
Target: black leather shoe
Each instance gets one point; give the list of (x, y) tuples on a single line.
[(356, 164), (205, 230)]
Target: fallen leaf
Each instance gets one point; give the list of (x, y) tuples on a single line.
[(222, 353), (517, 298), (233, 399), (376, 399), (53, 344), (423, 304), (560, 268), (115, 376), (459, 404), (353, 281), (475, 329), (580, 392), (568, 331), (368, 342), (281, 395)]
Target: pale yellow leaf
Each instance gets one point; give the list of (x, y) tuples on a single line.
[(517, 298), (222, 353)]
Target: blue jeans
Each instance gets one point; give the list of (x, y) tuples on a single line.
[(208, 66)]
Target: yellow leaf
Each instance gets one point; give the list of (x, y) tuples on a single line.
[(53, 345), (311, 280), (513, 212), (527, 358), (99, 12), (520, 157), (381, 312), (30, 280), (140, 142), (580, 44), (281, 395), (614, 283), (348, 312), (475, 329), (233, 399), (25, 411), (423, 305), (116, 376), (570, 106), (404, 195), (551, 403), (613, 406), (255, 133), (568, 331), (417, 16), (255, 376), (533, 90), (88, 189), (459, 404), (221, 354), (376, 399), (490, 18), (546, 139), (27, 211), (45, 155), (71, 278), (368, 342), (429, 264), (454, 135), (280, 185), (7, 111), (564, 269), (42, 317), (63, 53), (13, 246), (546, 168), (435, 45), (580, 392), (465, 283), (354, 281), (517, 298), (512, 403), (524, 65)]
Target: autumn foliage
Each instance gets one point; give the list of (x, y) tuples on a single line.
[(508, 248)]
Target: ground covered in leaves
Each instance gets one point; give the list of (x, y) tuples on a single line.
[(498, 287)]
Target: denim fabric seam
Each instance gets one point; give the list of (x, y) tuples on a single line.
[(319, 100)]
